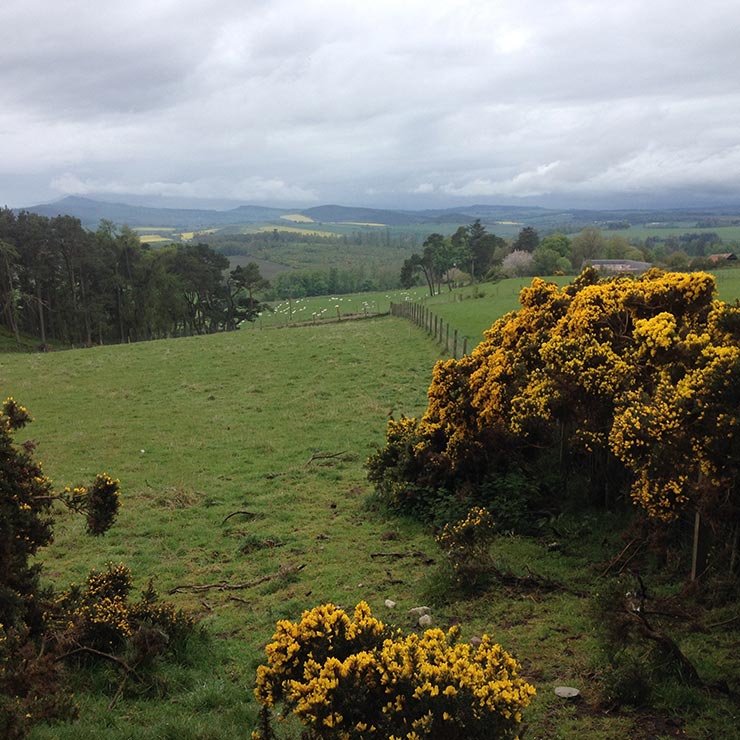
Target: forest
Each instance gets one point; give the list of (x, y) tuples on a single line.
[(61, 283)]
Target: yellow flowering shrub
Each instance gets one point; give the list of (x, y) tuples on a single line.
[(606, 379), (100, 615), (466, 545), (373, 682)]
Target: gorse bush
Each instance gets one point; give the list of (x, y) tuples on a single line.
[(42, 634), (349, 678), (466, 545), (99, 615), (629, 385)]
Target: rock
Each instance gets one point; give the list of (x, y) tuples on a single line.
[(476, 641), (390, 603), (567, 692), (419, 611), (425, 620)]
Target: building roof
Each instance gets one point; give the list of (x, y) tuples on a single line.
[(629, 266)]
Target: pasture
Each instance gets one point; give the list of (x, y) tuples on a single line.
[(241, 460)]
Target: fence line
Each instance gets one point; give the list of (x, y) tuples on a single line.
[(433, 325)]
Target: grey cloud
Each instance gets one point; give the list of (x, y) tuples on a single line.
[(327, 100)]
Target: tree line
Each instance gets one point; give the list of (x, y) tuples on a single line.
[(472, 253), (61, 283)]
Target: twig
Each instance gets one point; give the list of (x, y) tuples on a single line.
[(223, 586), (722, 624), (249, 514), (616, 559), (112, 703), (325, 456), (129, 670)]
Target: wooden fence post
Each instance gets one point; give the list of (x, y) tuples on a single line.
[(700, 550)]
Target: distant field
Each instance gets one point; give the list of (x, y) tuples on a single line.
[(729, 234), (324, 308), (156, 238), (188, 235), (359, 223), (296, 230), (298, 218)]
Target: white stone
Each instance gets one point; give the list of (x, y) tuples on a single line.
[(566, 692)]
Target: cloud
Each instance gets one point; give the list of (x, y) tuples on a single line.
[(246, 189), (330, 100)]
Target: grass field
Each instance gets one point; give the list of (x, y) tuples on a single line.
[(471, 310), (730, 235), (197, 429)]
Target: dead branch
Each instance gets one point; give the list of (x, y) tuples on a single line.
[(224, 586), (248, 514), (398, 555), (128, 670), (722, 624), (615, 560), (325, 456)]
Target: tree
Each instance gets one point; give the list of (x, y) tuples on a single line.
[(517, 263), (587, 245), (558, 243), (9, 293), (434, 262), (528, 240), (241, 307), (482, 247), (548, 261)]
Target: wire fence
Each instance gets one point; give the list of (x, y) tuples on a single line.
[(454, 342)]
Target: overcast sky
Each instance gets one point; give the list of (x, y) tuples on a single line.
[(381, 102)]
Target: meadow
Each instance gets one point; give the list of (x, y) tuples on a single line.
[(469, 309), (241, 461)]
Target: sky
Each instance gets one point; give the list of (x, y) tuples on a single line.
[(388, 103)]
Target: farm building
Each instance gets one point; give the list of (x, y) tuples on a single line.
[(633, 267)]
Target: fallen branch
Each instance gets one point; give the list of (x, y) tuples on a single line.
[(325, 456), (248, 514), (224, 586), (398, 555), (615, 560), (128, 670)]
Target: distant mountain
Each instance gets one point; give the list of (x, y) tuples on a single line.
[(91, 212)]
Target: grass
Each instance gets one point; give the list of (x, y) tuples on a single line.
[(730, 235), (277, 425)]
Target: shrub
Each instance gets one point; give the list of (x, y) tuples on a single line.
[(39, 632), (354, 678), (466, 544)]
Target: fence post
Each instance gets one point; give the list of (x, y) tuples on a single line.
[(465, 346), (454, 345)]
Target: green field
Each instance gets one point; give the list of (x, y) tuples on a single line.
[(730, 235), (199, 428), (471, 310)]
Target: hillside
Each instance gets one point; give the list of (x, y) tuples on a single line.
[(241, 459)]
